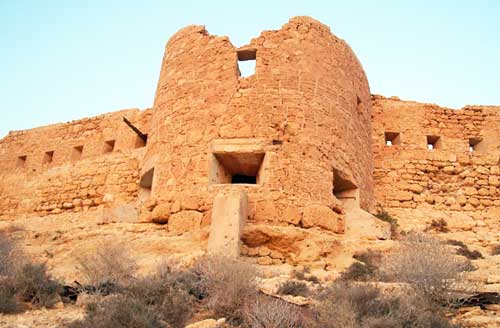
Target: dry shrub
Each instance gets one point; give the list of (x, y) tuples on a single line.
[(229, 284), (344, 305), (108, 264), (335, 313), (118, 311), (161, 299), (495, 250), (426, 264), (464, 250), (438, 226), (358, 271), (20, 278), (305, 274), (383, 215), (313, 279), (33, 284), (8, 302), (365, 269), (349, 305), (167, 294), (7, 246), (266, 312), (300, 274), (294, 288)]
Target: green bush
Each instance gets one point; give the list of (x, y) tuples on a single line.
[(33, 284), (294, 288)]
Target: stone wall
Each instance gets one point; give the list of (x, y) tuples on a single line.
[(307, 108), (304, 127), (460, 177), (71, 167)]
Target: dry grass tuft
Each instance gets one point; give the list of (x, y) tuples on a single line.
[(352, 305), (266, 312), (428, 265), (464, 250), (8, 302), (229, 283), (109, 264), (438, 226), (7, 247), (383, 215), (162, 299), (305, 274), (365, 269), (495, 250), (33, 284), (294, 288)]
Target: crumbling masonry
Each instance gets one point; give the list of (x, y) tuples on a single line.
[(299, 143)]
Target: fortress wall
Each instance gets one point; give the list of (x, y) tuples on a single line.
[(452, 179), (307, 108), (68, 182)]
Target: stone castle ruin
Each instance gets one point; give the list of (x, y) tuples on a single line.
[(299, 153)]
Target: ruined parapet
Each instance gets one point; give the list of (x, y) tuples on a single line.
[(434, 163), (303, 115), (71, 167)]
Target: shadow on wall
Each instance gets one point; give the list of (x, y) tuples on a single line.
[(146, 185), (345, 190)]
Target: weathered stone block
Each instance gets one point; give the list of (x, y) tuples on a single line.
[(229, 214), (185, 221), (322, 217), (161, 213)]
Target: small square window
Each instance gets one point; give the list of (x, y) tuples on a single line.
[(48, 157), (21, 161), (236, 168), (140, 141), (475, 144), (392, 138), (109, 146), (434, 142), (76, 153), (247, 59)]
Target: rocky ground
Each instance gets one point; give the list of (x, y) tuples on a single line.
[(60, 240), (43, 318)]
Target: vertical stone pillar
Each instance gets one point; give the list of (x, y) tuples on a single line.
[(229, 213)]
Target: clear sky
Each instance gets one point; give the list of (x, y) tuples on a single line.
[(64, 60)]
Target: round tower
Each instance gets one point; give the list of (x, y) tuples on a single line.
[(295, 135)]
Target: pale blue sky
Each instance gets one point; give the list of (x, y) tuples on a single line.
[(64, 60)]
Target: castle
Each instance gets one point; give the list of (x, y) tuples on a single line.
[(299, 144)]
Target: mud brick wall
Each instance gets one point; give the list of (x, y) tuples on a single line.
[(42, 173)]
